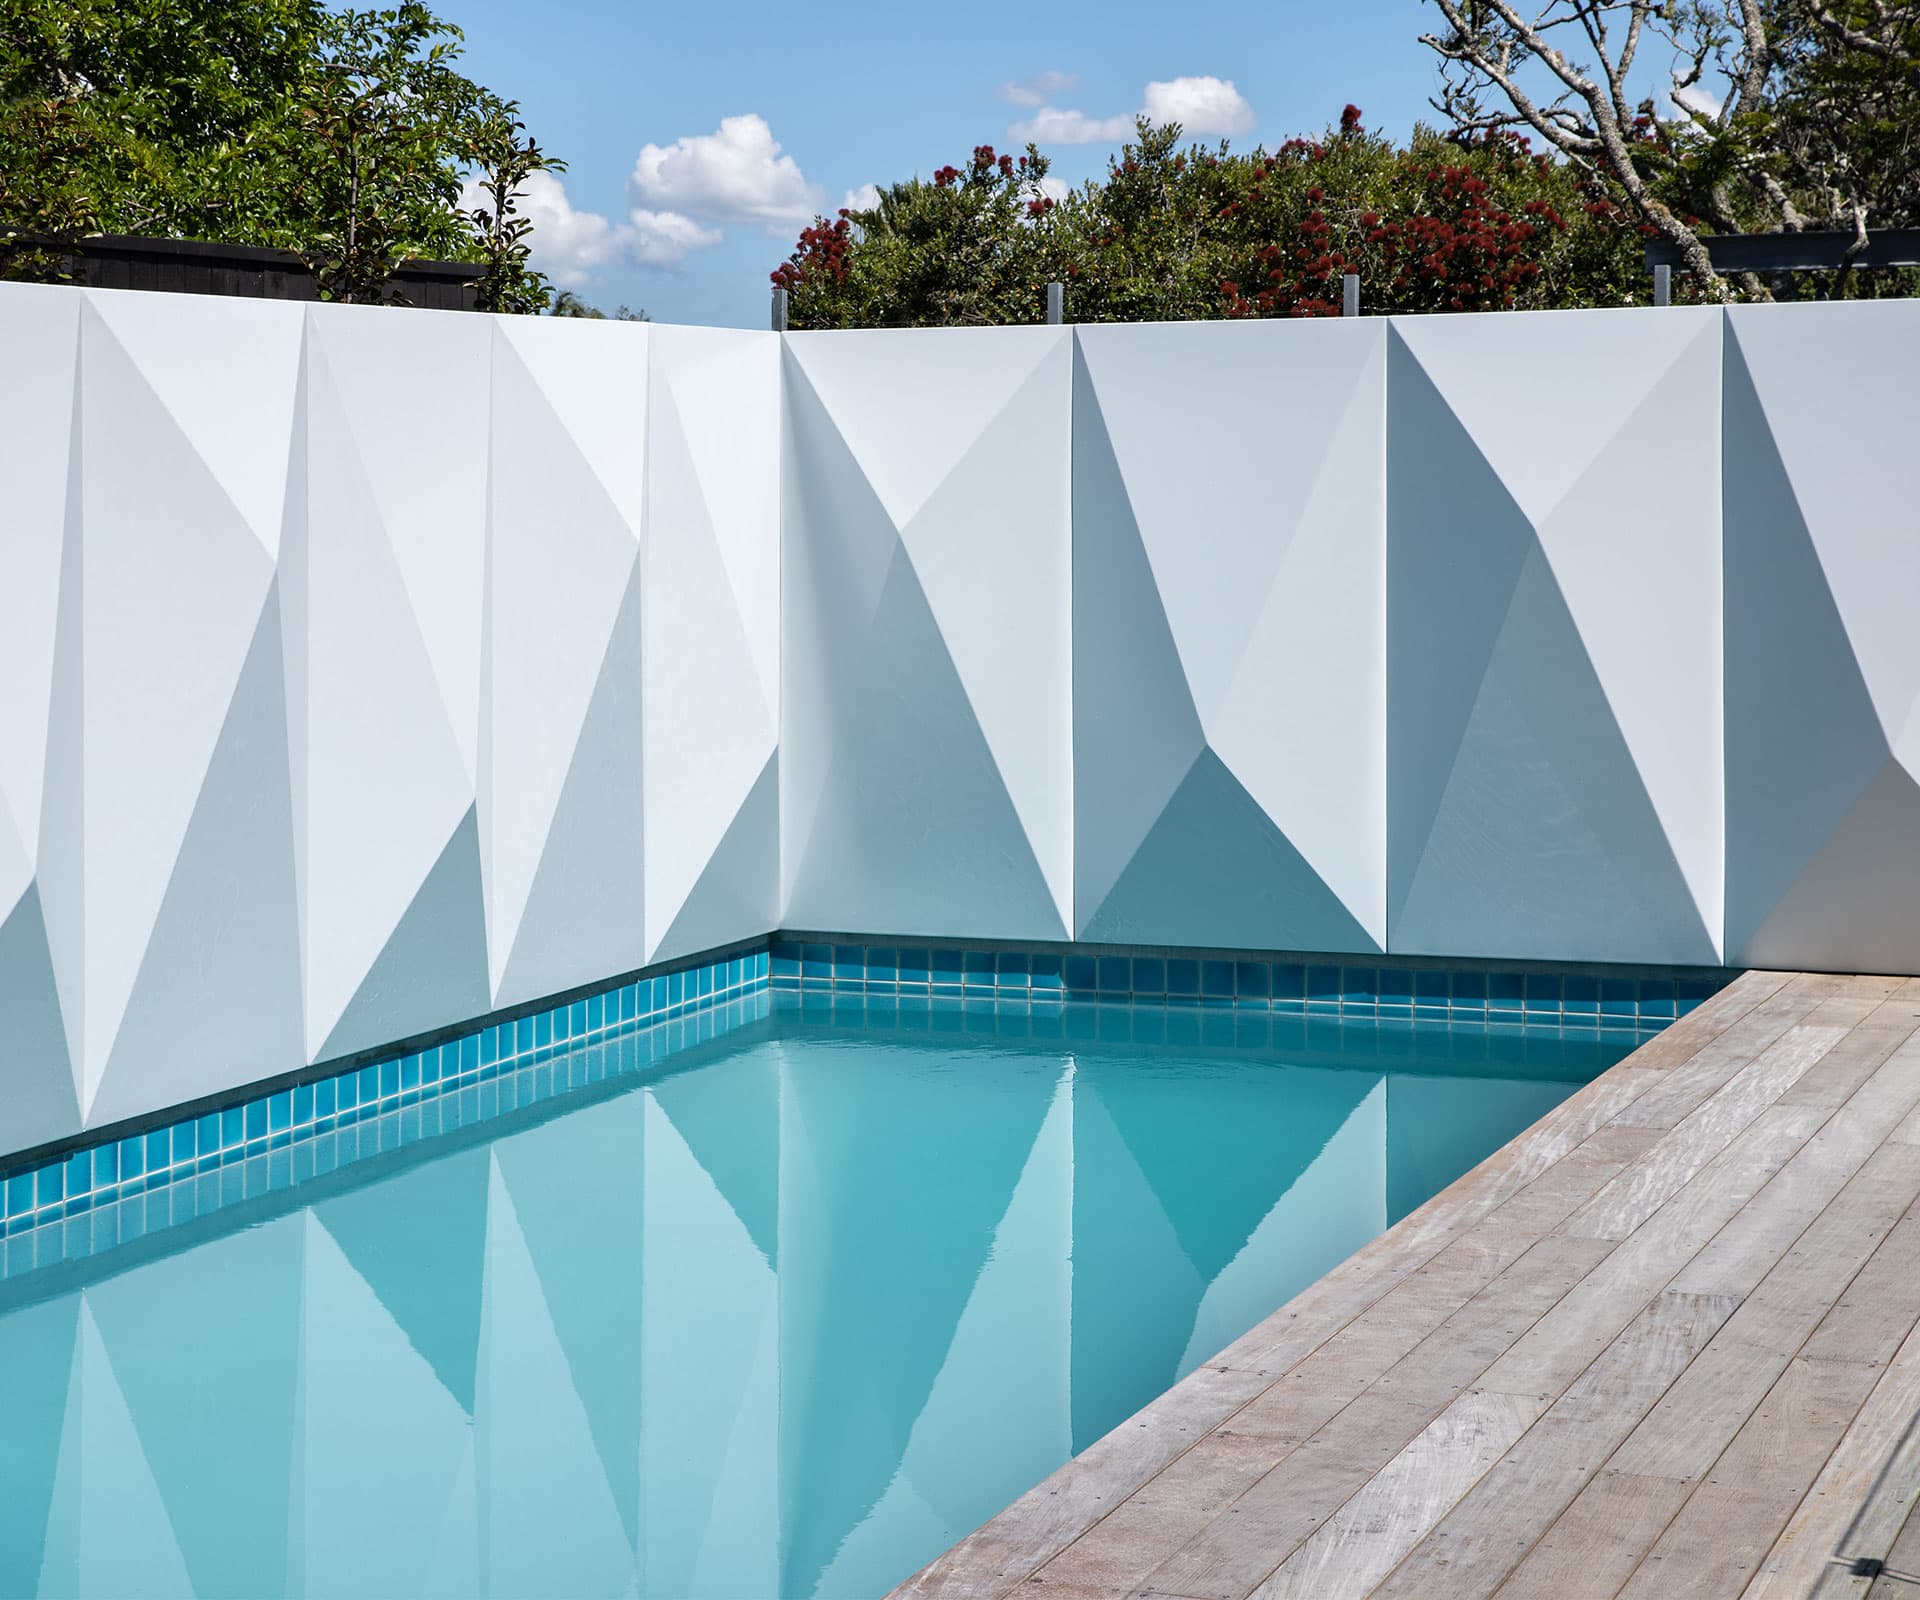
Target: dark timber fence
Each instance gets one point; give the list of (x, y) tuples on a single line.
[(189, 266)]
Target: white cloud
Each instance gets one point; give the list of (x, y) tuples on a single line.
[(864, 198), (574, 248), (1040, 88), (1051, 125), (665, 238), (1202, 107), (1053, 188), (736, 174)]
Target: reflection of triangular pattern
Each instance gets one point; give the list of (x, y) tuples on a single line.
[(710, 1344), (578, 1186), (1222, 1154), (190, 352), (964, 828), (1333, 1206), (40, 1104), (223, 964), (1135, 730), (1215, 870), (1543, 752), (999, 1411), (734, 889), (1855, 907), (37, 1356), (951, 1166), (581, 911), (166, 529), (1778, 813), (376, 1430), (434, 964), (908, 436), (418, 1240), (538, 1468), (728, 1115), (108, 1532), (1125, 1253), (221, 1448)]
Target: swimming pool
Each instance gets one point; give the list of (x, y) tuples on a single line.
[(784, 1315)]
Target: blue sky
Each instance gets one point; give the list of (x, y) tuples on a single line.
[(653, 106)]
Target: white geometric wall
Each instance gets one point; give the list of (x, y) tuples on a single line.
[(927, 693), (1229, 644), (1822, 498), (364, 673), (1553, 636)]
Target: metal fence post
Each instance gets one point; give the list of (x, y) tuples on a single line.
[(1056, 303), (779, 309), (1350, 294), (1663, 286)]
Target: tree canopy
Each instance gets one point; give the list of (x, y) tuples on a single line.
[(1573, 131), (344, 136), (1179, 231)]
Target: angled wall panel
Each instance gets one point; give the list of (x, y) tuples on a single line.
[(1229, 634), (926, 716), (180, 790), (39, 585), (1554, 652), (711, 600), (383, 572), (560, 735), (1823, 658)]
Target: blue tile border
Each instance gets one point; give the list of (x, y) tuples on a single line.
[(79, 1201), (403, 1098), (1286, 984)]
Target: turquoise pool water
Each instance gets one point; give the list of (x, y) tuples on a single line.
[(785, 1318)]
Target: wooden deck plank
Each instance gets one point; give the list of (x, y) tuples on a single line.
[(1666, 1342), (1495, 1526)]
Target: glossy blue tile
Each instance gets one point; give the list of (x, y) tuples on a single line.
[(1183, 976), (1216, 979), (1359, 986), (1114, 975), (1080, 974), (1149, 975), (1253, 980), (1046, 972), (1469, 989)]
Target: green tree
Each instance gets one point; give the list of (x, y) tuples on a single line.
[(343, 136), (1781, 114), (974, 244), (1178, 232)]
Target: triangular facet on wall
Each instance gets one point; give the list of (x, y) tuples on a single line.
[(735, 887), (434, 966), (223, 963), (1215, 870)]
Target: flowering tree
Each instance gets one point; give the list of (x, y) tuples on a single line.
[(1179, 232), (972, 244), (1726, 115)]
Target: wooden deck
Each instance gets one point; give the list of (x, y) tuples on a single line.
[(1663, 1344)]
